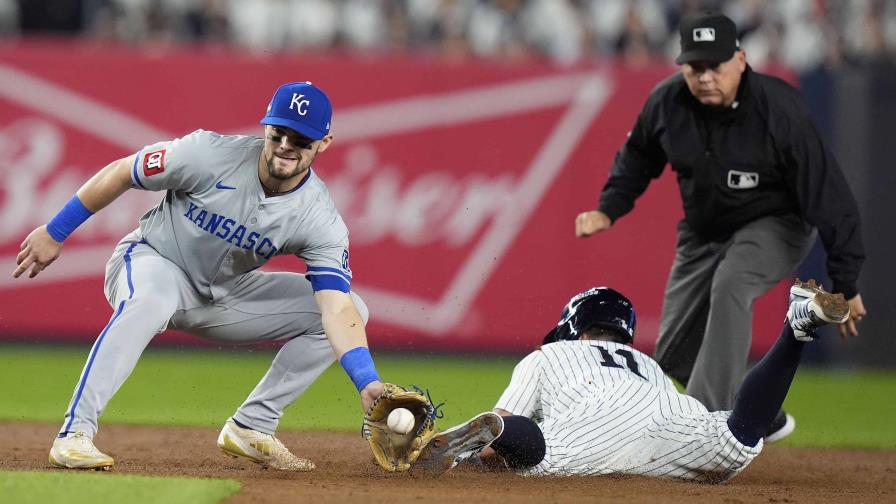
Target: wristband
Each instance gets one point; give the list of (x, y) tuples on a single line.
[(72, 215), (358, 364)]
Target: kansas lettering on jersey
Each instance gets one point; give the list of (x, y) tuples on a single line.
[(216, 223), (211, 222), (607, 408)]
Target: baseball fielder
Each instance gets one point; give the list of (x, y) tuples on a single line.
[(231, 203), (587, 403)]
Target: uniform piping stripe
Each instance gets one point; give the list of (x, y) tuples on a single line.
[(302, 182), (127, 264), (99, 341), (136, 178), (323, 270), (328, 282)]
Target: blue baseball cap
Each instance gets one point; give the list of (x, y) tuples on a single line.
[(302, 107)]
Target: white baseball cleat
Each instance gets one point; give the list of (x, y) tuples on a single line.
[(263, 449), (453, 446), (77, 451), (811, 307), (783, 426)]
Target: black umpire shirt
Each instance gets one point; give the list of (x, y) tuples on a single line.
[(761, 156)]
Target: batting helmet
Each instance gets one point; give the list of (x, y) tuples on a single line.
[(597, 307)]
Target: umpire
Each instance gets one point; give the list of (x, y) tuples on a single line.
[(756, 182)]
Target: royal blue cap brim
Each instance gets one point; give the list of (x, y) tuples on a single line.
[(312, 133)]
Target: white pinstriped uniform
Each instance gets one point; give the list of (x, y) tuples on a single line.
[(607, 408)]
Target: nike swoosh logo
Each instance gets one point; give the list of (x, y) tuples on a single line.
[(219, 185)]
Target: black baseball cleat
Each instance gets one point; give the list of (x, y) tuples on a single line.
[(811, 307), (783, 426), (459, 443)]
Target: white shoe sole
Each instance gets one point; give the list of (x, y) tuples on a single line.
[(783, 432), (458, 443), (86, 463), (833, 308)]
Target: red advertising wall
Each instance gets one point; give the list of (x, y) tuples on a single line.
[(459, 183)]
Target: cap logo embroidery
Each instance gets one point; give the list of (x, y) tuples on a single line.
[(704, 34), (300, 104)]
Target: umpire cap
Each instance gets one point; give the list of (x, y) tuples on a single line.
[(301, 107), (707, 37), (597, 307)]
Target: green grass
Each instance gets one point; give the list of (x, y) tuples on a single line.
[(90, 488), (203, 387), (843, 409)]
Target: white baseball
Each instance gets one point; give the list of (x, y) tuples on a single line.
[(400, 421)]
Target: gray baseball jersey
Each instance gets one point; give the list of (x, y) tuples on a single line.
[(606, 408), (192, 266), (216, 203)]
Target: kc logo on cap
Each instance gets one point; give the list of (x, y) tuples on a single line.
[(301, 107), (704, 34), (300, 104)]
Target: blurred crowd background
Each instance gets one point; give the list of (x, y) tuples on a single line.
[(800, 34)]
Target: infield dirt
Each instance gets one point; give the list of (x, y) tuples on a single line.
[(346, 472)]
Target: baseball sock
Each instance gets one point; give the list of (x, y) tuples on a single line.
[(521, 445), (763, 391)]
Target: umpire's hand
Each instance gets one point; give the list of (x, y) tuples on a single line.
[(39, 250), (588, 223), (856, 312)]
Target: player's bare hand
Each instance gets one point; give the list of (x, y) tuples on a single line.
[(588, 223), (856, 313), (39, 250), (369, 393)]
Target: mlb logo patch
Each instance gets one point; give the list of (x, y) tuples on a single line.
[(154, 163), (742, 180), (704, 34)]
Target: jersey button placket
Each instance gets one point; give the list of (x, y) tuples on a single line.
[(253, 220)]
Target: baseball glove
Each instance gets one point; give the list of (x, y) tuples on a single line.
[(392, 451)]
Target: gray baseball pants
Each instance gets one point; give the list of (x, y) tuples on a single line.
[(706, 324), (149, 293)]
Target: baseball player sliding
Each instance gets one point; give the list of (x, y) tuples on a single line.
[(587, 403), (231, 203)]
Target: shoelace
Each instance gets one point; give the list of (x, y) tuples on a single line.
[(802, 316), (84, 443)]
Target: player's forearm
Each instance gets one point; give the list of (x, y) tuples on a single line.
[(345, 329), (106, 185)]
